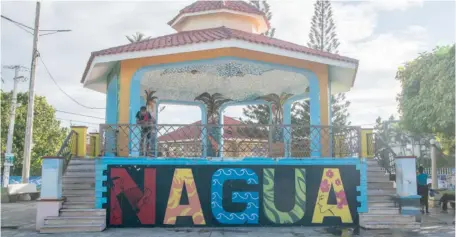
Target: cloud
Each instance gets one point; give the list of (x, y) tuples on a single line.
[(99, 25)]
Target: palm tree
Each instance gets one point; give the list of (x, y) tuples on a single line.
[(138, 37), (213, 103), (150, 99), (277, 105)]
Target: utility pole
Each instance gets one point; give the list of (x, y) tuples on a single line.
[(435, 181), (31, 103), (9, 156)]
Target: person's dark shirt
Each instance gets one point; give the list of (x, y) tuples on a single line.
[(147, 117)]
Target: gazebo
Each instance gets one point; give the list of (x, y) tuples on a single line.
[(219, 49)]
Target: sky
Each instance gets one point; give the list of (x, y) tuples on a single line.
[(382, 35)]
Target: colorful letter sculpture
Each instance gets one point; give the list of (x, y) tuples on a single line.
[(331, 178), (174, 209), (250, 214), (142, 202), (270, 210)]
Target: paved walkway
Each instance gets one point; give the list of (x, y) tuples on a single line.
[(18, 220)]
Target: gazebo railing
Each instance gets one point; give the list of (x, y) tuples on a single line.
[(244, 140)]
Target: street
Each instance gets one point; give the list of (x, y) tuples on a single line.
[(18, 219)]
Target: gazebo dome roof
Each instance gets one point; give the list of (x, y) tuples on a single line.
[(209, 14)]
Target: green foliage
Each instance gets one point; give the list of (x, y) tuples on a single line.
[(213, 103), (47, 133), (322, 34), (138, 37), (277, 102), (266, 8), (427, 98)]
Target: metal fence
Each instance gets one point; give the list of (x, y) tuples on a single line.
[(195, 140), (69, 148)]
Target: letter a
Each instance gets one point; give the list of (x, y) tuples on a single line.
[(183, 177), (331, 178)]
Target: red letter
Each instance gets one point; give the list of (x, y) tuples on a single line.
[(143, 202)]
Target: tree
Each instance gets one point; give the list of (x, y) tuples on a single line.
[(213, 103), (47, 133), (266, 9), (323, 37), (322, 34), (138, 37), (427, 98)]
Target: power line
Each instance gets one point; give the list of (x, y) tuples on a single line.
[(17, 23), (55, 82), (89, 116), (71, 120)]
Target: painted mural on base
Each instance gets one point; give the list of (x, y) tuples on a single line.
[(227, 195)]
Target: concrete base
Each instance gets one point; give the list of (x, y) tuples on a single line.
[(46, 208), (5, 197), (410, 205)]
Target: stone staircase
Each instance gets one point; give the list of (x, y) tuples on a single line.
[(383, 214), (77, 213)]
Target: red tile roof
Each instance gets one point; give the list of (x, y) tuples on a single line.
[(210, 35), (202, 6), (193, 132)]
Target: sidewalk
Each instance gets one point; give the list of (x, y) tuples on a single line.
[(18, 220)]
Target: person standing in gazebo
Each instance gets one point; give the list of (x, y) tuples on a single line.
[(145, 119)]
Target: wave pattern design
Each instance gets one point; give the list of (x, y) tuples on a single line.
[(250, 214), (270, 210)]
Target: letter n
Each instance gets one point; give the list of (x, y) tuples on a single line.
[(142, 201)]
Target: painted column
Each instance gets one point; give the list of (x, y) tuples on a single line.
[(367, 145), (111, 115), (323, 81), (80, 149), (314, 94), (406, 186), (50, 200)]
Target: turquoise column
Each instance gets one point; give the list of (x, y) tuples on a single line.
[(111, 116)]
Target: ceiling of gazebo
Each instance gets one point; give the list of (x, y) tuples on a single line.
[(236, 80)]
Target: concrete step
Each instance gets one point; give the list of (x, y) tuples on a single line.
[(380, 185), (82, 212), (72, 228), (383, 210), (82, 192), (78, 180), (79, 198), (79, 174), (386, 192), (395, 218), (382, 204), (79, 186), (78, 205), (80, 167), (69, 220), (82, 161), (376, 225), (380, 197)]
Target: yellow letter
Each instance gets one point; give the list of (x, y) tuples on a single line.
[(331, 178)]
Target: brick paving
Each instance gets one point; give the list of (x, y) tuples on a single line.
[(18, 220)]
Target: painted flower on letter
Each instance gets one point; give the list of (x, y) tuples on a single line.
[(324, 186), (338, 183), (329, 173), (341, 199)]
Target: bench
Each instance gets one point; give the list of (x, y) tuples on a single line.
[(19, 191)]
